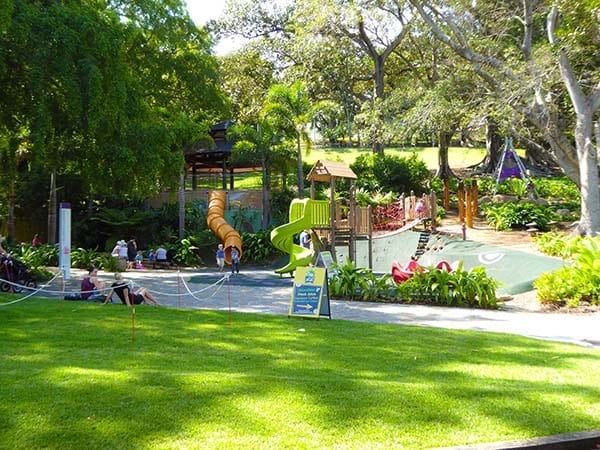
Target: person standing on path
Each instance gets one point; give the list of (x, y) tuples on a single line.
[(220, 257), (131, 252), (235, 260)]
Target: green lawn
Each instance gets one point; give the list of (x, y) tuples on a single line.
[(459, 157), (71, 377)]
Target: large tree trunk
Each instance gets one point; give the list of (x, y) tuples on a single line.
[(588, 163), (444, 171), (493, 146)]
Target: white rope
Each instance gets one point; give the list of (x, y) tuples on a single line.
[(221, 282), (216, 287), (35, 291), (170, 294)]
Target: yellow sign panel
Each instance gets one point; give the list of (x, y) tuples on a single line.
[(310, 296)]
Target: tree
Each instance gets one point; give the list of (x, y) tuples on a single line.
[(377, 28), (246, 77), (290, 110), (99, 100), (524, 77)]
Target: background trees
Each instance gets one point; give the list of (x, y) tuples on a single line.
[(97, 92)]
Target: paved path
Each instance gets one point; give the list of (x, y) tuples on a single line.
[(262, 291)]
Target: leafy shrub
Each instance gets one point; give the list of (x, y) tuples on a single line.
[(109, 263), (510, 215), (366, 198), (557, 188), (34, 257), (83, 259), (458, 288), (280, 205), (258, 247), (186, 253), (347, 280), (391, 173), (578, 282), (556, 244)]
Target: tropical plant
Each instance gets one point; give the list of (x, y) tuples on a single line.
[(509, 215), (579, 281), (457, 288), (258, 247), (346, 282), (83, 258), (34, 257), (186, 253)]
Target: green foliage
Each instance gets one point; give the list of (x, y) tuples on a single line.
[(187, 253), (577, 282), (557, 188), (458, 288), (366, 198), (390, 173), (510, 215), (258, 247), (347, 280), (36, 257), (556, 244), (82, 258), (109, 263), (280, 205)]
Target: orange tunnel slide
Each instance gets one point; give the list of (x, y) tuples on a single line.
[(216, 222)]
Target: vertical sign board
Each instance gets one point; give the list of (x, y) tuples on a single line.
[(310, 296), (325, 259), (64, 240)]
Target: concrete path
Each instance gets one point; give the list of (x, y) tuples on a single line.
[(259, 290)]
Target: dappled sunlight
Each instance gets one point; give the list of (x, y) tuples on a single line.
[(258, 381)]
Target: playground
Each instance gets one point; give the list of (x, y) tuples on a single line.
[(404, 231)]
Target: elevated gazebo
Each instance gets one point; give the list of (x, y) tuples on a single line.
[(214, 160)]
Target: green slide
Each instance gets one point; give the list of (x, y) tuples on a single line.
[(304, 214)]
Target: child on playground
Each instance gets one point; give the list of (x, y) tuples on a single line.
[(220, 257), (235, 260), (139, 260)]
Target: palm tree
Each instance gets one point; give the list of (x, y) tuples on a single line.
[(290, 109)]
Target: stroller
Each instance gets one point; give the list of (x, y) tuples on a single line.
[(15, 275)]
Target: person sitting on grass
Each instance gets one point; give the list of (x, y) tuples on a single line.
[(127, 296), (91, 286)]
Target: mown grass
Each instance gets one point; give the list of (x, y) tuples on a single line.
[(71, 376), (459, 157)]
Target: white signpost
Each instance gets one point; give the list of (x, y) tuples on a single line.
[(64, 240)]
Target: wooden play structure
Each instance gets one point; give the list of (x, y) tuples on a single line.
[(352, 223)]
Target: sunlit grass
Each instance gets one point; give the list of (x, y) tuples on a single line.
[(458, 157), (71, 376)]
